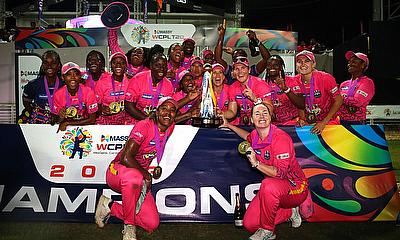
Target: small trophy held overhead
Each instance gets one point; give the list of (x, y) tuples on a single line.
[(208, 117)]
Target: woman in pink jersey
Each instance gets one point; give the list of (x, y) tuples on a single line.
[(136, 59), (221, 90), (188, 98), (95, 63), (284, 187), (283, 89), (128, 173), (74, 103), (197, 70), (322, 98), (175, 58), (110, 92), (244, 92), (357, 92), (146, 88)]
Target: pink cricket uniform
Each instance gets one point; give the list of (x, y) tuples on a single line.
[(140, 91), (325, 92), (199, 82), (285, 112), (277, 195), (90, 83), (88, 101), (129, 181), (260, 90), (106, 95), (175, 81), (354, 107), (223, 98)]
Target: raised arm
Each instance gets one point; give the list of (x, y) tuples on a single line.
[(220, 43)]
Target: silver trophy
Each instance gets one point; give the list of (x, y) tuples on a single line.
[(208, 117)]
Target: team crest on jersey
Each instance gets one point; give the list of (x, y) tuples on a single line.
[(267, 155), (317, 93)]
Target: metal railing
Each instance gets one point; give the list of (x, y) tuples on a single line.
[(7, 113)]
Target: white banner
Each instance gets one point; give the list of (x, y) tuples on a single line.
[(146, 35), (28, 69), (82, 154), (383, 112)]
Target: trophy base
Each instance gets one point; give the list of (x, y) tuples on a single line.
[(206, 122)]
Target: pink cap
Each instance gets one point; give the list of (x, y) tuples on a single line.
[(196, 60), (68, 66), (307, 54), (241, 60), (189, 40), (162, 100), (362, 56), (183, 73), (118, 54), (207, 52), (218, 65)]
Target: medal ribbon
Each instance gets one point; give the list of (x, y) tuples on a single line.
[(116, 96), (352, 87), (221, 100), (69, 99), (274, 91), (50, 96), (310, 96), (154, 99), (91, 81), (255, 138), (160, 145)]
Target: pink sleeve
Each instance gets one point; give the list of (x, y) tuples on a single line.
[(113, 41), (58, 103), (262, 91), (283, 154), (363, 94), (330, 84), (91, 101), (138, 132), (132, 94), (99, 92)]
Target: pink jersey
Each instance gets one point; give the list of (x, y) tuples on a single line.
[(260, 90), (199, 82), (175, 81), (180, 95), (141, 91), (279, 153), (84, 101), (89, 82), (284, 110), (143, 134), (106, 93), (223, 98), (354, 107), (325, 92)]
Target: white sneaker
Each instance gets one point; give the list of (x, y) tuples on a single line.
[(295, 218), (262, 234), (129, 232), (102, 211)]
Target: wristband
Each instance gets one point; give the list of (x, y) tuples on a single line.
[(287, 90), (256, 164)]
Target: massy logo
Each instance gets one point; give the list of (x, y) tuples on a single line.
[(140, 34), (105, 138), (76, 140)]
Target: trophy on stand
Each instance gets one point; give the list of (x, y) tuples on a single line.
[(208, 117)]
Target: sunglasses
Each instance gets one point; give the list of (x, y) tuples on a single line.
[(240, 60)]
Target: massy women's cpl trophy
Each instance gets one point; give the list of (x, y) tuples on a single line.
[(208, 117)]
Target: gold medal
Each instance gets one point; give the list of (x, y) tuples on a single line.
[(157, 172), (115, 107), (311, 118), (243, 146), (71, 112), (245, 120)]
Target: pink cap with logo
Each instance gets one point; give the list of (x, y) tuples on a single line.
[(306, 54), (68, 66), (118, 54), (196, 60), (189, 40), (207, 52), (241, 60), (183, 73), (362, 56), (162, 100)]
